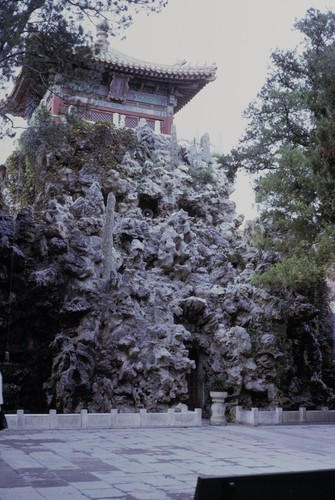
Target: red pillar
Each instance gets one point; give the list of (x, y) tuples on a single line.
[(57, 105), (167, 125)]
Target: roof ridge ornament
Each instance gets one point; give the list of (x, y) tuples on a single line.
[(102, 42)]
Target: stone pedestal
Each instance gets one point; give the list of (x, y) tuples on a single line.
[(218, 408)]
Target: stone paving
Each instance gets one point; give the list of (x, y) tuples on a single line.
[(157, 464)]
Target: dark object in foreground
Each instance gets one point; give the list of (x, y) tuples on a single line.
[(306, 485), (3, 421)]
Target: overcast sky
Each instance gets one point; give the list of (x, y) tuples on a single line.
[(239, 36)]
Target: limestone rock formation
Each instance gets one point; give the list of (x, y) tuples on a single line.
[(127, 283)]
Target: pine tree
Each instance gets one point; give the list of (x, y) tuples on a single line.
[(290, 142)]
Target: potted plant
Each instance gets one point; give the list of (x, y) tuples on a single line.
[(218, 393), (218, 383)]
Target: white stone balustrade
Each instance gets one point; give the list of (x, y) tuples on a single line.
[(112, 420), (277, 416)]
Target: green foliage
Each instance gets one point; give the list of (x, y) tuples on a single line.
[(288, 203), (290, 188), (290, 141), (295, 106), (218, 383), (47, 15), (26, 166), (229, 166), (47, 146), (300, 273), (45, 134), (306, 257), (20, 180), (100, 143), (203, 175)]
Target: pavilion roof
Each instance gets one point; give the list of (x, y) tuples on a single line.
[(179, 71), (186, 78)]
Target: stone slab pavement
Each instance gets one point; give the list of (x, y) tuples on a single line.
[(151, 464)]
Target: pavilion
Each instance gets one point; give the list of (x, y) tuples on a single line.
[(130, 90)]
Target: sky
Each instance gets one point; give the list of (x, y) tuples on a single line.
[(239, 36)]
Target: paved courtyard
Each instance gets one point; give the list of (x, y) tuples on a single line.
[(157, 464)]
